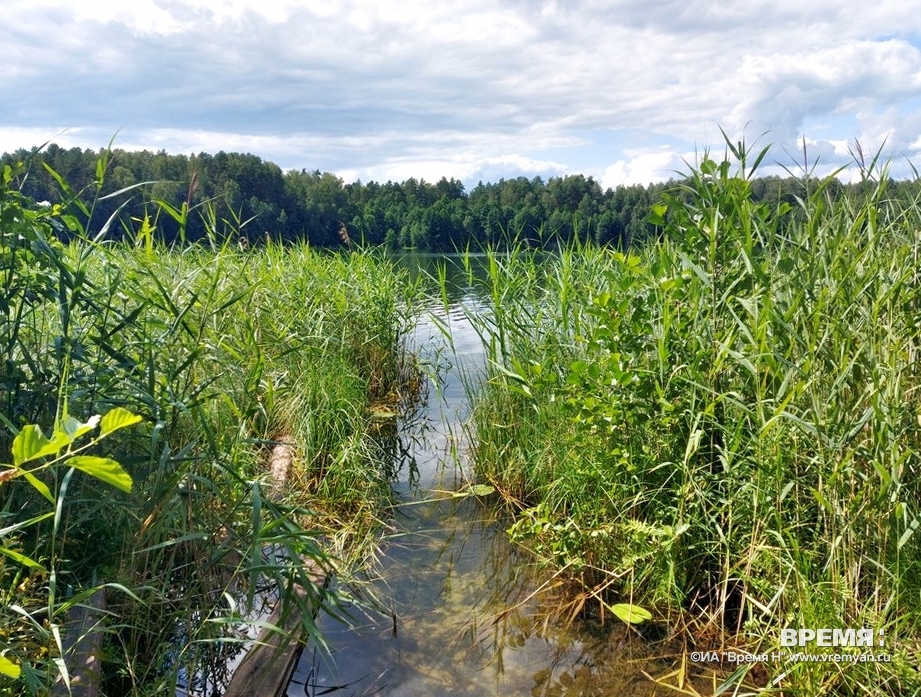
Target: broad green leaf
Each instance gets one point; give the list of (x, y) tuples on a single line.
[(22, 559), (30, 444), (9, 669), (74, 428), (473, 490), (27, 443), (633, 614), (117, 418), (104, 469), (657, 214)]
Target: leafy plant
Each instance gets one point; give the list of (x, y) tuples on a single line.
[(222, 352), (62, 451), (718, 425)]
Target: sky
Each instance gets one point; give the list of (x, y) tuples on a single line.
[(625, 91)]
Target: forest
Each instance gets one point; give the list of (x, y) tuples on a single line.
[(241, 194)]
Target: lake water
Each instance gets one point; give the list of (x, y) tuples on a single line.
[(463, 614)]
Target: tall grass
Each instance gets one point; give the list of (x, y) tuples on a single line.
[(723, 426), (222, 352)]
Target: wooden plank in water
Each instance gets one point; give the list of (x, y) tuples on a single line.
[(269, 665), (83, 648), (267, 669)]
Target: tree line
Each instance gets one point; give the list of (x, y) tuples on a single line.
[(197, 196)]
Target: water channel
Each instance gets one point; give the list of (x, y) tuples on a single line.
[(463, 616)]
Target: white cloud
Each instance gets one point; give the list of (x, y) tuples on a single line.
[(15, 138), (784, 88), (143, 16), (645, 166), (453, 88), (511, 166)]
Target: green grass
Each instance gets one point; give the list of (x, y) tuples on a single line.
[(723, 426), (221, 352)]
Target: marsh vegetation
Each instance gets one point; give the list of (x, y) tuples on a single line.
[(707, 437), (219, 353), (721, 428)]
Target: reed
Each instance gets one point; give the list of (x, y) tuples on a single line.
[(220, 350), (722, 426)]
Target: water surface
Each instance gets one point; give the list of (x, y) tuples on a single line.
[(462, 612)]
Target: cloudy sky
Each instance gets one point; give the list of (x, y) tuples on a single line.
[(622, 90)]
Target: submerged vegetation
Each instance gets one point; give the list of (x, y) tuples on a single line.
[(722, 426), (208, 356)]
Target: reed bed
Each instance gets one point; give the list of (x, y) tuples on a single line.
[(221, 352), (722, 426)]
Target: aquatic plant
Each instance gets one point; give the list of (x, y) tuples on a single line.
[(220, 352), (720, 425)]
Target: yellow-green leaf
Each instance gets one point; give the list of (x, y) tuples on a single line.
[(657, 214), (104, 469), (39, 486), (30, 444), (9, 669), (74, 428), (22, 559), (633, 614), (117, 418), (383, 413)]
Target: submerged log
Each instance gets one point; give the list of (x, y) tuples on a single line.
[(280, 467), (83, 648), (264, 672), (267, 668)]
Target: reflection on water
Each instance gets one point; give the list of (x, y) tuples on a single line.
[(448, 576), (462, 614)]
